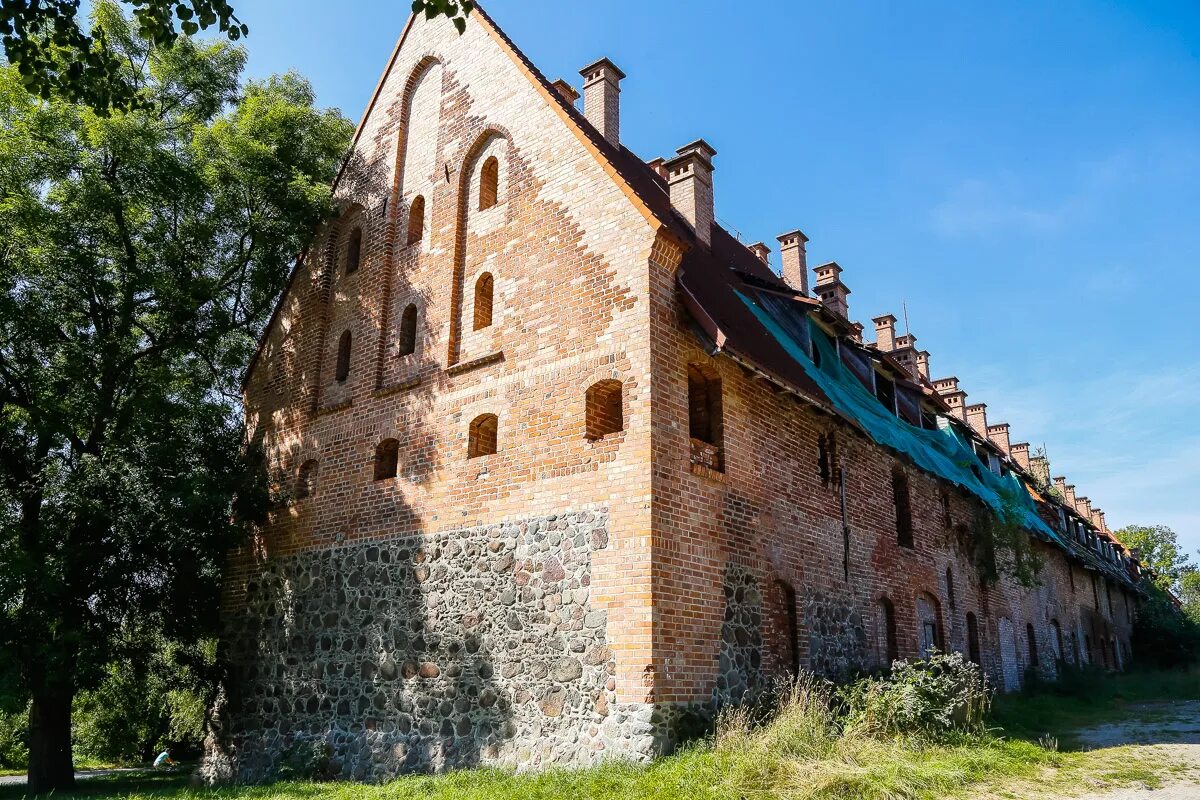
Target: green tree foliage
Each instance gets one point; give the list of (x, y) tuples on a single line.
[(1158, 547), (140, 254), (55, 57)]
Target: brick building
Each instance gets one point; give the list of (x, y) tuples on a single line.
[(568, 463)]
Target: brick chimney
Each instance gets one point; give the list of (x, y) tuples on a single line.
[(1103, 524), (948, 389), (1084, 507), (998, 433), (831, 290), (923, 363), (1060, 484), (760, 250), (566, 90), (602, 98), (1039, 468), (794, 258), (1069, 495), (657, 164), (689, 176), (977, 418), (885, 332), (1020, 454)]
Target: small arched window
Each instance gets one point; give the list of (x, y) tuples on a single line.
[(354, 250), (482, 436), (416, 220), (903, 502), (489, 183), (790, 656), (387, 459), (342, 371), (973, 638), (408, 331), (306, 479), (484, 288), (603, 413)]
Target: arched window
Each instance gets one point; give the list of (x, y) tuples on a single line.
[(704, 417), (973, 638), (1033, 650), (886, 631), (481, 438), (387, 459), (603, 409), (903, 502), (342, 371), (950, 587), (1056, 641), (929, 625), (306, 479), (354, 250), (416, 220), (484, 288), (489, 183), (408, 331)]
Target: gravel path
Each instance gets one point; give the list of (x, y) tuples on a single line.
[(79, 775), (1171, 731)]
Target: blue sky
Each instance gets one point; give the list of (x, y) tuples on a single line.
[(1025, 176)]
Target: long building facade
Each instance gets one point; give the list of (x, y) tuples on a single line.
[(568, 466)]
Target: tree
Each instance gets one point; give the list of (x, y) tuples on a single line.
[(1158, 547), (140, 254), (55, 57)]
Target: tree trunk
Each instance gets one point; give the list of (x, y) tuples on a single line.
[(51, 768)]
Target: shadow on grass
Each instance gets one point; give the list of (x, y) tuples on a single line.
[(1090, 697)]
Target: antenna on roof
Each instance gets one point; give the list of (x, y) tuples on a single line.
[(904, 305)]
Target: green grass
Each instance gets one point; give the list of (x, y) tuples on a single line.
[(801, 755)]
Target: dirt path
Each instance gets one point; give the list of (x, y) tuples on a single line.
[(11, 780), (1163, 734)]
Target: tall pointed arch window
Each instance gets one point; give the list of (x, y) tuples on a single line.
[(484, 289), (416, 220), (342, 370), (354, 250), (407, 341), (489, 183)]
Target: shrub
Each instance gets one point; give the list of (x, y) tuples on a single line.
[(928, 699), (14, 739)]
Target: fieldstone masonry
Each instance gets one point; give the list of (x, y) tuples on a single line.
[(429, 652)]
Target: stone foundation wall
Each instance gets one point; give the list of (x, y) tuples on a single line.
[(425, 653)]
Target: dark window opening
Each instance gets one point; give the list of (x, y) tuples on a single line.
[(306, 479), (354, 250), (890, 646), (947, 518), (489, 183), (973, 639), (603, 412), (787, 596), (387, 458), (416, 220), (482, 436), (903, 502), (885, 390), (483, 301), (1060, 653), (342, 370), (1033, 650), (950, 587), (826, 457), (704, 418), (407, 343)]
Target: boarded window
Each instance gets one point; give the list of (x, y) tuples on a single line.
[(489, 183), (416, 220), (886, 632), (306, 479), (481, 438), (342, 370), (903, 503), (354, 250), (484, 288), (1031, 635), (973, 638), (407, 344), (603, 412), (704, 417), (387, 458)]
